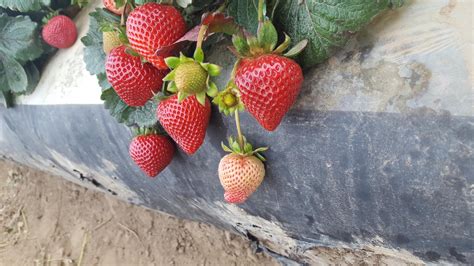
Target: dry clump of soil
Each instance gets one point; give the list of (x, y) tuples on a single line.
[(45, 220)]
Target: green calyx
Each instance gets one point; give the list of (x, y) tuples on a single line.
[(49, 16), (143, 131), (191, 76), (246, 149), (265, 42), (228, 100)]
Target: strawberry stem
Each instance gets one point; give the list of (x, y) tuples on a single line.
[(201, 35), (239, 130), (260, 10)]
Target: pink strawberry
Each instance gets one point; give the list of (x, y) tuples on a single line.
[(241, 172), (153, 26), (152, 153), (60, 32), (186, 122), (269, 85), (135, 82)]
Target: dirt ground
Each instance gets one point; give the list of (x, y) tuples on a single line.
[(45, 220)]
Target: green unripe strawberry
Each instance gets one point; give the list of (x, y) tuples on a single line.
[(111, 40), (191, 77)]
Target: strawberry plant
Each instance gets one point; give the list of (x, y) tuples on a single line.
[(25, 44), (156, 76)]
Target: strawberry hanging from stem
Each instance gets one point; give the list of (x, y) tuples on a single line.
[(242, 171), (185, 114), (269, 82), (150, 151)]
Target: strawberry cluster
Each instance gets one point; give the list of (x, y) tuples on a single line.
[(142, 65)]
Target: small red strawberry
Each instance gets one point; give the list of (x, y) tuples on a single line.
[(153, 26), (241, 172), (60, 32), (135, 82), (186, 122), (151, 152), (269, 83), (110, 5)]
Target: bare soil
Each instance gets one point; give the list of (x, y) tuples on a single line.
[(46, 220)]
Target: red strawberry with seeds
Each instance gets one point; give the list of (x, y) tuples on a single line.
[(152, 152), (268, 80), (60, 32), (186, 122), (269, 85), (135, 82), (110, 5), (153, 26)]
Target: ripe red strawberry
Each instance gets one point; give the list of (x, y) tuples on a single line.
[(241, 172), (60, 32), (186, 122), (135, 82), (269, 85), (152, 153), (110, 5), (152, 26)]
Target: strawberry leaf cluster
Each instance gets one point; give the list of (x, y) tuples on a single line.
[(94, 56), (327, 25), (142, 71), (22, 50)]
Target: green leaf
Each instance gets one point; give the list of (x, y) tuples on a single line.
[(33, 76), (201, 98), (248, 147), (267, 36), (132, 52), (19, 38), (172, 87), (245, 13), (24, 5), (144, 116), (170, 76), (199, 55), (297, 49), (212, 90), (214, 70), (94, 58), (184, 3), (181, 96), (172, 62), (12, 75), (103, 81), (141, 2), (241, 45), (327, 24), (260, 157), (94, 55), (225, 148), (6, 98), (284, 45), (119, 3), (235, 147)]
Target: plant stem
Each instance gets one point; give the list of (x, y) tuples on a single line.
[(239, 131), (202, 34), (260, 10), (222, 7)]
